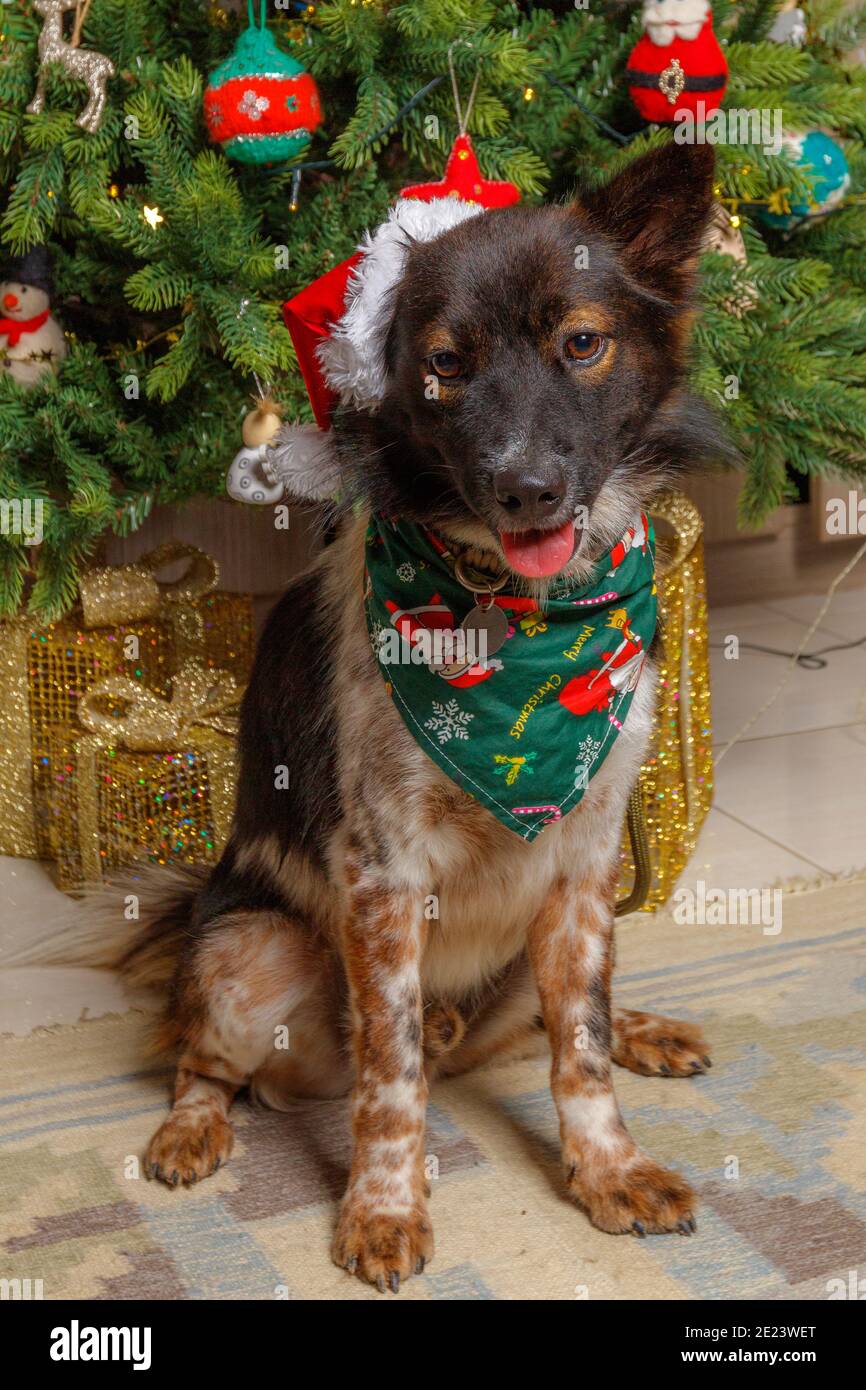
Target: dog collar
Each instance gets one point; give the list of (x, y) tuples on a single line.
[(522, 724)]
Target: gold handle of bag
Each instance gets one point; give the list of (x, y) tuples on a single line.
[(684, 517)]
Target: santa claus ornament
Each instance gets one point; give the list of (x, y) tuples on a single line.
[(260, 105), (677, 65), (31, 341)]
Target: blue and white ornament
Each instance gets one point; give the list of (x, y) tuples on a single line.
[(823, 161)]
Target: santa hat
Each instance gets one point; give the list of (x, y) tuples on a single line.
[(339, 324)]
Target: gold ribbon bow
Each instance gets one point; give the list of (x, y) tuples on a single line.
[(116, 594), (151, 724)]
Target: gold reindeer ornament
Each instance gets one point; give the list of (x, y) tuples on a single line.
[(89, 67)]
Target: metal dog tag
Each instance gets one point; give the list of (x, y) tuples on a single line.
[(486, 628)]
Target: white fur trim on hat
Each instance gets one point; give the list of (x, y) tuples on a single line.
[(353, 357)]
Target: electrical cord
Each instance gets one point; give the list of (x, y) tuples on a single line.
[(809, 661), (795, 656)]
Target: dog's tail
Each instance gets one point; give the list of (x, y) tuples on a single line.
[(136, 924)]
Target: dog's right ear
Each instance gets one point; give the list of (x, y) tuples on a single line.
[(656, 211)]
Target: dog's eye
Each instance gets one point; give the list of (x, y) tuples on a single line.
[(446, 364), (584, 347)]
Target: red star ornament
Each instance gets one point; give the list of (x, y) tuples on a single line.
[(463, 179)]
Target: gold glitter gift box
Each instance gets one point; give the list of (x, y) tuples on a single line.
[(674, 792), (128, 622), (149, 778)]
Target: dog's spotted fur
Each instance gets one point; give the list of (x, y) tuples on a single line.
[(315, 918)]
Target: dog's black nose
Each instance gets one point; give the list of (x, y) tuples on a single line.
[(530, 492)]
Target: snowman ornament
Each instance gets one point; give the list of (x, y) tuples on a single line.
[(248, 479), (31, 340)]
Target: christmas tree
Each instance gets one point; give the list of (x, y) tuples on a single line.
[(172, 256)]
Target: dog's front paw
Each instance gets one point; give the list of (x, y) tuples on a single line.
[(640, 1197), (187, 1146), (381, 1247), (656, 1046)]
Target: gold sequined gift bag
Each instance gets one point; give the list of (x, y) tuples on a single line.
[(674, 792), (128, 622)]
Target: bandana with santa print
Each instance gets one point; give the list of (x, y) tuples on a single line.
[(525, 728)]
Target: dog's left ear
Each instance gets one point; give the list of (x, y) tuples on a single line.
[(656, 211)]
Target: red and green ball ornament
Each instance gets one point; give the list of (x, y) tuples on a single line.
[(260, 105)]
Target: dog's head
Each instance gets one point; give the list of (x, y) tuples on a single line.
[(535, 364)]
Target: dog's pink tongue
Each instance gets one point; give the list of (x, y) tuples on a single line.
[(537, 553)]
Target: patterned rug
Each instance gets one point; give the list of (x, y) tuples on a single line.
[(774, 1138)]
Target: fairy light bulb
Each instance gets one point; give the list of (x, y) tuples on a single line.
[(529, 94), (152, 216)]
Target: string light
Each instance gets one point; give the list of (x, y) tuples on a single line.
[(529, 94), (152, 216), (113, 190)]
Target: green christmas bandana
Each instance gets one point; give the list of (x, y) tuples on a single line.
[(523, 726)]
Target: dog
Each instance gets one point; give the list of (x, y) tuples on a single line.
[(558, 391)]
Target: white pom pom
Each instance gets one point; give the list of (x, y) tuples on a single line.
[(303, 459)]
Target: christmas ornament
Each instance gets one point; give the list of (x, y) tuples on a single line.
[(677, 65), (823, 162), (246, 480), (789, 26), (31, 341), (463, 179), (723, 234), (94, 69), (260, 105), (557, 699)]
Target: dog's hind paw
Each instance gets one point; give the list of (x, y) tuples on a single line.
[(656, 1046), (189, 1145)]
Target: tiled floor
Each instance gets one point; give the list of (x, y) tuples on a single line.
[(790, 797)]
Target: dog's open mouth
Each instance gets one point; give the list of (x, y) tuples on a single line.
[(536, 554)]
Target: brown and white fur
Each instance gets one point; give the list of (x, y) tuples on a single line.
[(315, 918)]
